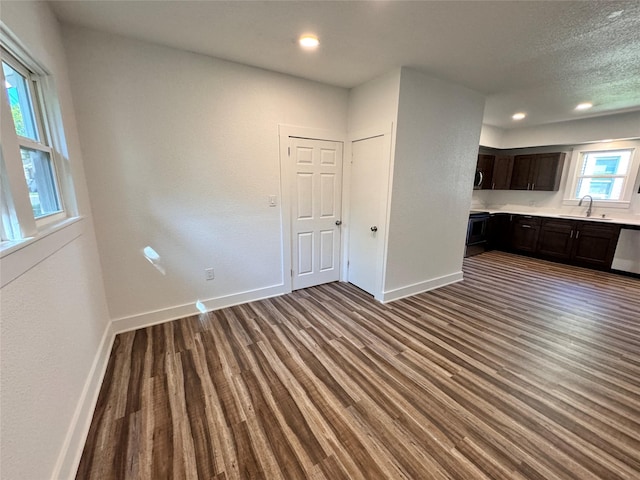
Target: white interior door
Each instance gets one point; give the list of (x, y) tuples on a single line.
[(316, 203), (368, 169)]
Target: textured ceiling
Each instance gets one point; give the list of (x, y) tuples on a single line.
[(539, 57)]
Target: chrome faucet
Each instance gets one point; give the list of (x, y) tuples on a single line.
[(590, 204)]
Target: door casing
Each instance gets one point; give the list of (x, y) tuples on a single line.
[(285, 132)]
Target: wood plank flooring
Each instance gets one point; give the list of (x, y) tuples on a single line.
[(525, 370)]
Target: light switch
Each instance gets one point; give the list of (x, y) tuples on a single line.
[(272, 201)]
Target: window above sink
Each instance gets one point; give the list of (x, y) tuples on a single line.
[(607, 173)]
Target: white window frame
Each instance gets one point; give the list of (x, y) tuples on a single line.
[(18, 225), (630, 178), (41, 124)]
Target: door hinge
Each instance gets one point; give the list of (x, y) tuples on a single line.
[(289, 151), (291, 273)]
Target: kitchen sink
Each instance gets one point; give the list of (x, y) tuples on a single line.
[(578, 217)]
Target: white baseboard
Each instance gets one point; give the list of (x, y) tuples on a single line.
[(154, 317), (416, 288), (71, 452)]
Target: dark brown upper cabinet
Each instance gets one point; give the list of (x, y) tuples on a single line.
[(484, 172), (502, 171), (537, 171)]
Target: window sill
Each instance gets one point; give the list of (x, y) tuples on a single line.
[(598, 203), (18, 257)]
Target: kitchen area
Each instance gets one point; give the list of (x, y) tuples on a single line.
[(574, 204)]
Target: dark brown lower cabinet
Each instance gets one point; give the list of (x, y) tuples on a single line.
[(585, 243), (595, 244), (498, 231), (556, 238), (524, 233)]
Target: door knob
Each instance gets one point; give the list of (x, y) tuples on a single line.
[(374, 229), (338, 222)]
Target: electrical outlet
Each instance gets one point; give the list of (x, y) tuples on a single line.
[(208, 274)]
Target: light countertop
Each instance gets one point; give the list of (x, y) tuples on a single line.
[(555, 214)]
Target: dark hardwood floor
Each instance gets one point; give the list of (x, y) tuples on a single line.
[(525, 370)]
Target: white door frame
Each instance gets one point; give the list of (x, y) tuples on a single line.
[(284, 133), (386, 131)]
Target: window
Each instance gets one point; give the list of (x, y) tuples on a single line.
[(603, 174), (31, 168), (26, 112), (608, 176)]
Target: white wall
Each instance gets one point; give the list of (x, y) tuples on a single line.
[(620, 126), (595, 129), (375, 103), (54, 324), (373, 111), (435, 156), (491, 136), (182, 154)]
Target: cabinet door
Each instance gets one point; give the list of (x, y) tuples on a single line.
[(520, 175), (556, 238), (546, 171), (595, 244), (485, 166), (524, 233), (498, 231), (502, 171)]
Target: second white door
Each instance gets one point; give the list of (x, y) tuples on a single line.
[(316, 193), (367, 192)]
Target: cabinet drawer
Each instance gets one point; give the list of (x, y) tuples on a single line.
[(527, 220)]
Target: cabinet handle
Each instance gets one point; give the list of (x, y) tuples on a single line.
[(571, 234), (528, 184), (493, 185), (577, 234), (526, 226), (533, 186)]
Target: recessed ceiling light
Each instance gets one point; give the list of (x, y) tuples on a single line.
[(519, 116), (309, 41), (584, 106)]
